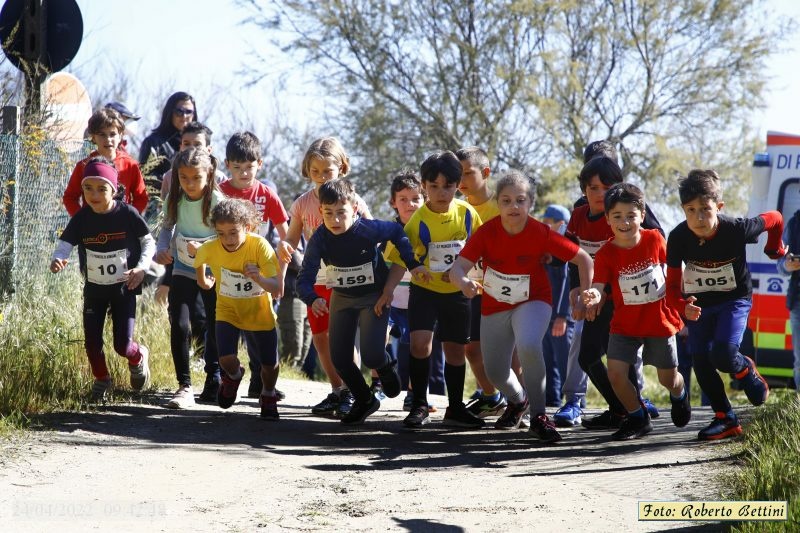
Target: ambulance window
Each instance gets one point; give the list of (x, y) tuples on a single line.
[(789, 197)]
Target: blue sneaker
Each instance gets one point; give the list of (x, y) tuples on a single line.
[(476, 395), (569, 415), (377, 390), (651, 409), (755, 386)]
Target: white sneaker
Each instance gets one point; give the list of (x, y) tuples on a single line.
[(99, 389), (140, 374), (183, 398)]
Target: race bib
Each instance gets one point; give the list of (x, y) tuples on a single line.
[(643, 287), (698, 279), (590, 247), (237, 285), (347, 277), (442, 255), (182, 244), (263, 229), (106, 268), (506, 288)]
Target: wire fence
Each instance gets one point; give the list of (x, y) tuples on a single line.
[(34, 172)]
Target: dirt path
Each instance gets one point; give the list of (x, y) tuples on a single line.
[(146, 468)]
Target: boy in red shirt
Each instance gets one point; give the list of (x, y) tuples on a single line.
[(105, 130), (632, 262)]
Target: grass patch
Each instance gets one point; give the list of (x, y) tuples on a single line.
[(769, 467), (43, 364)]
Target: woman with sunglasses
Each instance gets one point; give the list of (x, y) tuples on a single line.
[(158, 148)]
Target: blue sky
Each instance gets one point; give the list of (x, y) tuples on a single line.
[(201, 46)]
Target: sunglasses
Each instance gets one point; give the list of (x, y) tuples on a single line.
[(181, 111)]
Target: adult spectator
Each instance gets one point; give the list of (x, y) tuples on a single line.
[(160, 146)]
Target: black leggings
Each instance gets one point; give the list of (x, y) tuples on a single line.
[(183, 293)]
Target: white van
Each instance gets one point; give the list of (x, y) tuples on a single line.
[(775, 185)]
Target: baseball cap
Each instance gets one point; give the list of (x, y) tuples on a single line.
[(123, 110), (556, 212)]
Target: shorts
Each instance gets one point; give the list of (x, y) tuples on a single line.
[(475, 319), (660, 352), (319, 324), (264, 343), (447, 313)]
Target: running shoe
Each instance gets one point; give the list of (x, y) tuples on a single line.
[(377, 390), (418, 416), (460, 416), (140, 374), (755, 386), (269, 407), (255, 386), (408, 402), (327, 406), (99, 389), (346, 400), (488, 405), (543, 429), (633, 427), (210, 389), (228, 389), (568, 416), (359, 411), (681, 412), (722, 426), (512, 416), (182, 399), (606, 420), (651, 409)]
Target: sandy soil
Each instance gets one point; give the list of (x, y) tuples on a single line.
[(146, 468)]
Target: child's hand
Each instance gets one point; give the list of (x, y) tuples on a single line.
[(133, 277), (777, 254), (590, 297), (469, 288), (319, 307), (792, 262), (162, 293), (192, 247), (285, 251), (559, 327), (164, 257), (58, 265), (422, 274), (578, 309), (692, 312), (251, 271), (546, 259), (384, 302), (206, 282)]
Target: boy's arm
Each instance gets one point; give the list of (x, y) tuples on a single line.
[(773, 225), (60, 256), (138, 191), (288, 245), (385, 300), (402, 244), (73, 192), (308, 272)]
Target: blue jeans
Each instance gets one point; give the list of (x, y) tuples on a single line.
[(794, 319), (556, 353), (713, 343)]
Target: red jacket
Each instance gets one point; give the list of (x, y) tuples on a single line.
[(129, 176)]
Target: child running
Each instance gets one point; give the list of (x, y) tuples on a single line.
[(632, 262), (589, 225), (516, 302), (187, 210), (714, 292), (438, 232), (114, 250), (105, 128), (407, 195), (324, 160), (474, 185), (355, 270), (247, 275)]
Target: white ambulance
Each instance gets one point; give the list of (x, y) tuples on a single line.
[(775, 185)]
